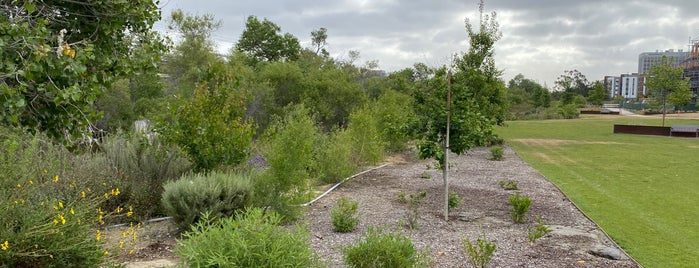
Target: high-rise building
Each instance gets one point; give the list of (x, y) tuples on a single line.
[(648, 59), (628, 86)]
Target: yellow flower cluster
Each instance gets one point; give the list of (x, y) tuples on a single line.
[(68, 51), (5, 245)]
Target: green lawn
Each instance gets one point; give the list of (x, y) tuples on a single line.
[(642, 190)]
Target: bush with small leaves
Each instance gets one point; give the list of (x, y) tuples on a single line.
[(250, 239), (539, 230), (343, 216), (481, 252), (454, 200), (496, 153), (414, 201), (379, 249), (520, 206), (221, 194), (508, 185)]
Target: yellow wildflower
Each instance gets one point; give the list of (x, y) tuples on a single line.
[(98, 236), (60, 204), (62, 219), (55, 221), (118, 209), (116, 191), (72, 212), (82, 194), (31, 182), (55, 179), (19, 185), (131, 251), (121, 243), (5, 245), (106, 196), (46, 171), (128, 214), (106, 252)]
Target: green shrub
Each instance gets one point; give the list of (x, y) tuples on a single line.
[(413, 214), (220, 194), (289, 152), (137, 166), (333, 157), (454, 200), (211, 126), (48, 216), (496, 153), (251, 239), (394, 114), (539, 230), (508, 185), (569, 111), (520, 206), (343, 216), (367, 145), (379, 249), (481, 252)]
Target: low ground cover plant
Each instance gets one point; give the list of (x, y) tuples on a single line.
[(508, 185), (252, 238), (413, 214), (496, 153), (344, 215), (454, 200), (384, 249)]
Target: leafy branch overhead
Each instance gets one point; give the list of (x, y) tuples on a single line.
[(57, 57)]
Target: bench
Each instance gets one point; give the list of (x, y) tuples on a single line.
[(685, 129)]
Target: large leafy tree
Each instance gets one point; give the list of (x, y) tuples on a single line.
[(263, 41), (598, 93), (57, 58), (570, 84)]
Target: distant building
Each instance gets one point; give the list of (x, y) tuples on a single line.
[(628, 86), (691, 69), (648, 59)]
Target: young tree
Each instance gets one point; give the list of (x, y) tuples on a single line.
[(58, 57), (666, 84), (477, 99), (598, 93), (211, 126)]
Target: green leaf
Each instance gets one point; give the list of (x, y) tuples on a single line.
[(29, 7)]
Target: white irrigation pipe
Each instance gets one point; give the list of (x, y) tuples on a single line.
[(341, 182)]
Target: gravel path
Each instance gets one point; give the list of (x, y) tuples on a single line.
[(575, 241)]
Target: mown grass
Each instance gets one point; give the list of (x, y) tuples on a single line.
[(642, 190)]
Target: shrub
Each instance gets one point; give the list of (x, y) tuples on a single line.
[(220, 194), (367, 145), (394, 115), (379, 249), (343, 216), (251, 239), (508, 185), (454, 200), (48, 217), (211, 126), (135, 164), (333, 157), (539, 230), (413, 214), (481, 252), (290, 157), (496, 153), (520, 206)]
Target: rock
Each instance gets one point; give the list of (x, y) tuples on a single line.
[(607, 252)]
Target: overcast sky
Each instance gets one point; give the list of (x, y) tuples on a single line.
[(540, 39)]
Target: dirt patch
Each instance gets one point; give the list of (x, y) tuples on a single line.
[(485, 211)]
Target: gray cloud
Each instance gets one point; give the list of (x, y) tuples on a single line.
[(541, 39)]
